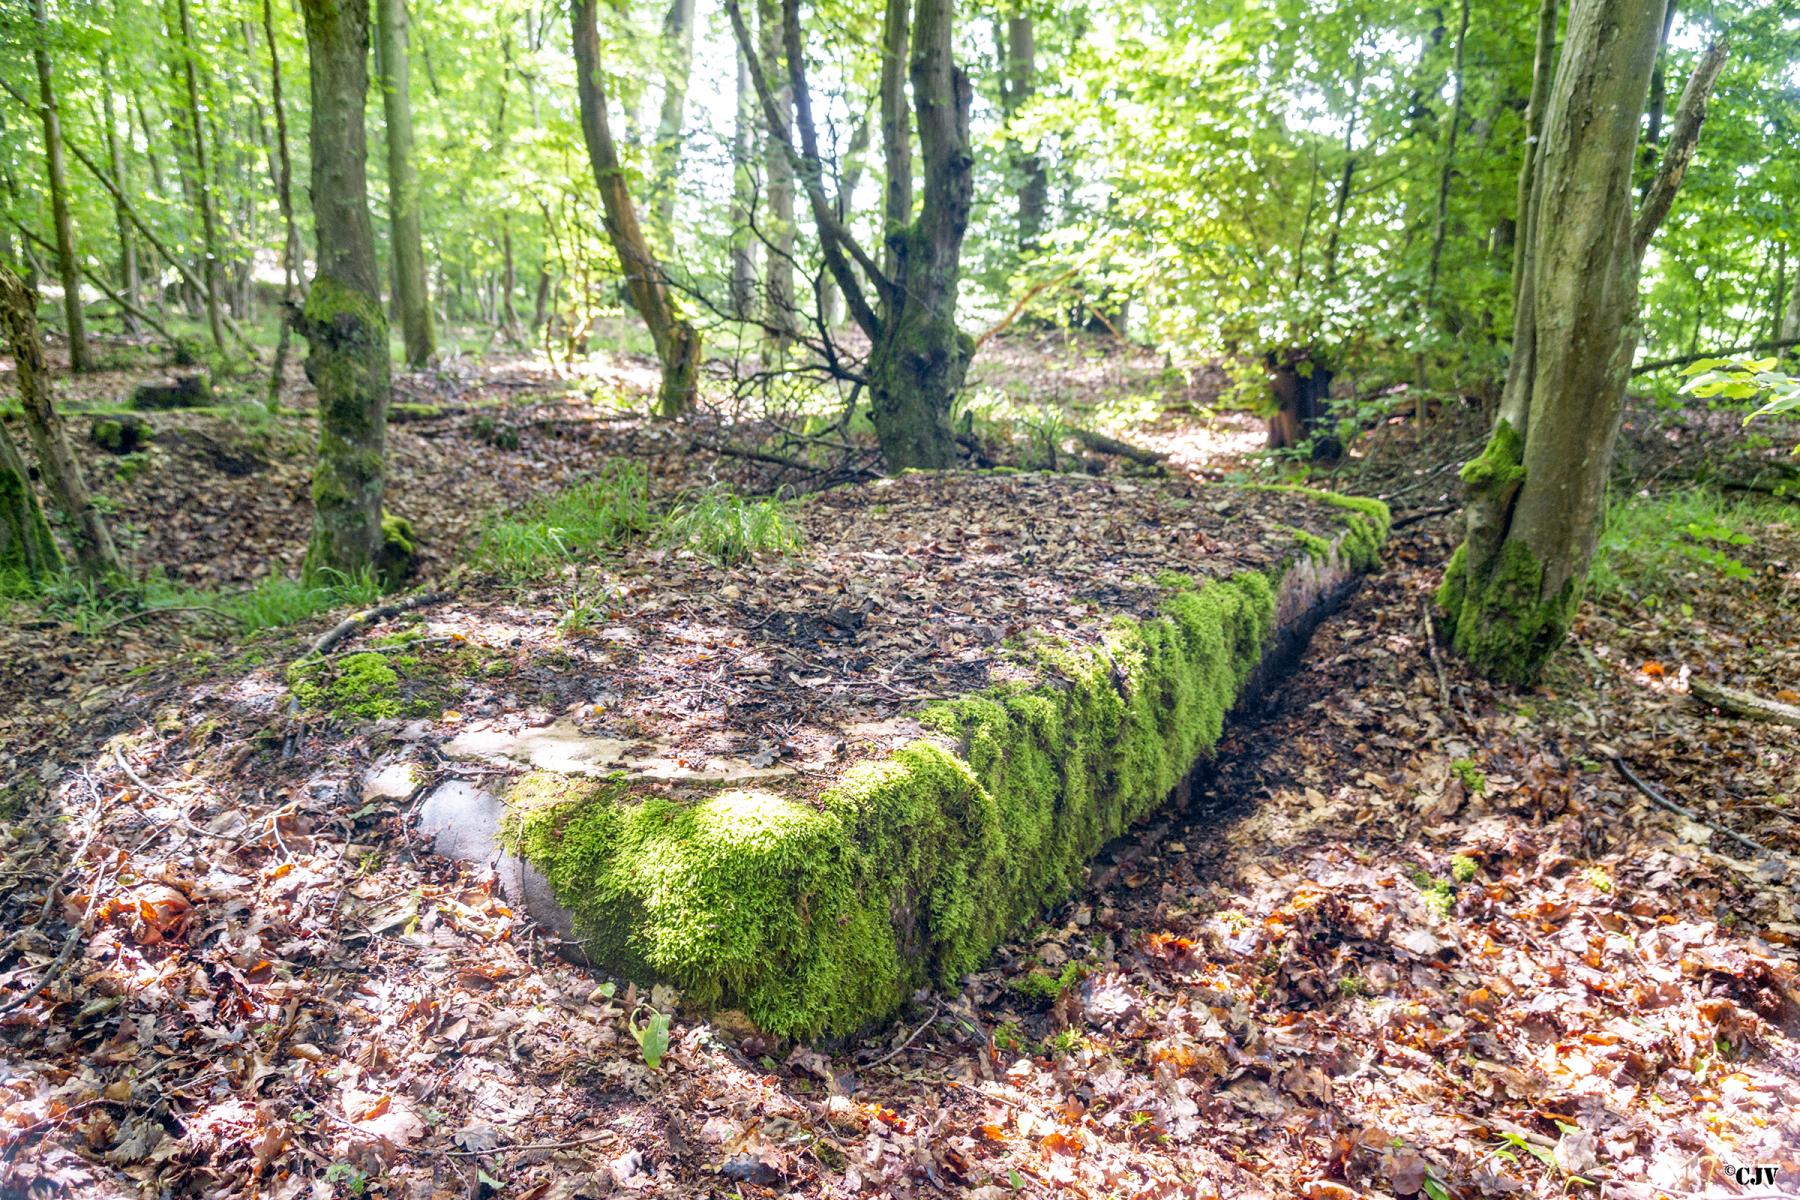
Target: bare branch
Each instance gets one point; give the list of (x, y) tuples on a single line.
[(1689, 116)]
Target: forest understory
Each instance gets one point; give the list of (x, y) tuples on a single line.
[(1409, 933)]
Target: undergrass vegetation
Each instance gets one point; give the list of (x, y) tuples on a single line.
[(613, 510), (269, 604), (1653, 545)]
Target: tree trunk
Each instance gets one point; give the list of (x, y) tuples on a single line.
[(1020, 81), (509, 282), (1447, 169), (1543, 71), (778, 226), (343, 321), (67, 269), (678, 51), (916, 366), (1537, 492), (677, 342), (743, 197), (896, 131), (403, 187), (209, 221), (28, 553), (129, 286), (284, 197), (56, 462)]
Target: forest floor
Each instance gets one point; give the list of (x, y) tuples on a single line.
[(1410, 934)]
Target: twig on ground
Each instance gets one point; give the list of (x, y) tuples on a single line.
[(1423, 514), (1110, 445), (351, 624), (937, 1007), (1662, 801), (141, 613)]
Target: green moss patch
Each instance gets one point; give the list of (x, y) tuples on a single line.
[(820, 914), (375, 685)]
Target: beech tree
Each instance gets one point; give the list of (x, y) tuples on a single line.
[(1537, 492), (67, 266), (677, 341), (906, 305), (410, 295), (342, 321)]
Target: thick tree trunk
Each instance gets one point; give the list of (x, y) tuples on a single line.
[(1538, 490), (916, 365), (403, 187), (67, 268), (28, 554), (1020, 56), (343, 321), (743, 196), (209, 220), (56, 462), (678, 51), (677, 341), (778, 214)]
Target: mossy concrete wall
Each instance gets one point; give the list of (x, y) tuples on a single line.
[(820, 917)]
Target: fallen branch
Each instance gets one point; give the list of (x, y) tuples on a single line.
[(1423, 514), (1102, 444), (1740, 703), (1661, 801), (349, 625), (936, 1007)]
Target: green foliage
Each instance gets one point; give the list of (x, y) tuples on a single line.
[(1745, 379), (728, 529), (1470, 774), (652, 1037), (604, 513), (1463, 868), (1677, 541)]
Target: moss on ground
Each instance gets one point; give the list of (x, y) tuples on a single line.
[(821, 917), (373, 685)]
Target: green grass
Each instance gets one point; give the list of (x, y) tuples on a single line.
[(603, 513), (270, 604), (1654, 544), (613, 510), (729, 529)]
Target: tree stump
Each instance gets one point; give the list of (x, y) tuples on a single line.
[(1300, 383), (125, 433), (181, 391)]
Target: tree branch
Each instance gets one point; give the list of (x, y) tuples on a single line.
[(1683, 360), (835, 240), (1689, 116)]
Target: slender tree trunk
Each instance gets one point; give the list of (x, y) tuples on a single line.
[(1790, 320), (1447, 170), (284, 196), (1543, 72), (343, 320), (1538, 490), (403, 187), (677, 341), (896, 130), (678, 52), (129, 286), (56, 462), (1346, 181), (831, 297), (209, 220), (743, 196), (778, 217), (1019, 53), (67, 268), (1659, 99), (509, 281)]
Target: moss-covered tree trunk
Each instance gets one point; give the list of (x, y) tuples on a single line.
[(1537, 492), (28, 554), (68, 269), (403, 186), (342, 320), (677, 341), (49, 440), (916, 365)]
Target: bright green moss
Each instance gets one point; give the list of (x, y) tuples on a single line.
[(1501, 622), (358, 685), (1498, 466), (822, 917)]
